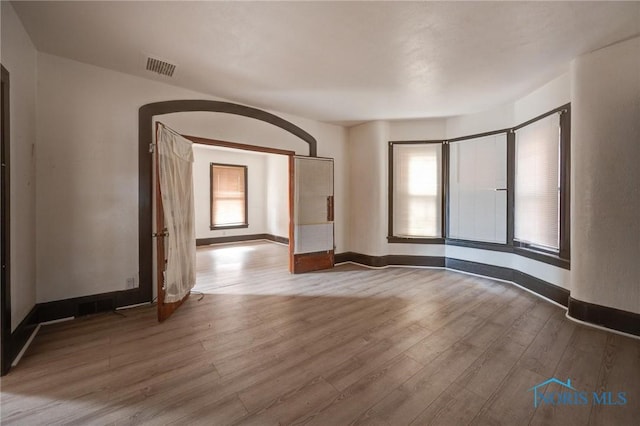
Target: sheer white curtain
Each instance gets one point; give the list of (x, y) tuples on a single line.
[(176, 185)]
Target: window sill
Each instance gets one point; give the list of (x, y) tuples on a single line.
[(551, 259), (415, 240), (222, 227), (479, 245)]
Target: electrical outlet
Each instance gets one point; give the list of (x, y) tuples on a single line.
[(131, 283)]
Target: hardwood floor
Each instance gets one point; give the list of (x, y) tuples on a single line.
[(352, 345)]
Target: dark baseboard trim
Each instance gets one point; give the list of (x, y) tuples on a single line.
[(616, 319), (21, 334), (483, 269), (79, 306), (611, 318), (433, 261), (343, 257), (277, 239), (392, 259), (550, 291), (58, 309), (536, 285), (240, 238), (406, 240)]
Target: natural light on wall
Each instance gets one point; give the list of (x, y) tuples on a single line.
[(537, 183), (417, 195), (228, 195)]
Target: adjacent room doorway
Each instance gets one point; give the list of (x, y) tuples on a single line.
[(311, 215)]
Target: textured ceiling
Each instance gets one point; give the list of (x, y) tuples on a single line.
[(338, 61)]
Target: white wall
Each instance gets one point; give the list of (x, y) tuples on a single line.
[(500, 117), (256, 186), (19, 57), (87, 169), (605, 129), (404, 130), (268, 186), (277, 195), (368, 149), (367, 188), (553, 94)]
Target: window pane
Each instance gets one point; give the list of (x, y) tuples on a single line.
[(417, 190), (228, 195), (477, 168), (537, 183)]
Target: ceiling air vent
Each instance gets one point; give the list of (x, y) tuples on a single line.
[(161, 67)]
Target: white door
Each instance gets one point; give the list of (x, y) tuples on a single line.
[(313, 235)]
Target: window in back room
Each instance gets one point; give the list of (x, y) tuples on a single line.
[(228, 196)]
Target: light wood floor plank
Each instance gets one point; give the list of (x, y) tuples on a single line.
[(352, 345)]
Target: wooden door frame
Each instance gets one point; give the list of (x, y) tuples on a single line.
[(6, 354), (146, 114), (166, 309), (256, 148)]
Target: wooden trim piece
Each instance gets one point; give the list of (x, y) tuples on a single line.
[(390, 260), (145, 183), (478, 135), (309, 262), (415, 240), (365, 259), (550, 259), (565, 183), (444, 202), (241, 238), (483, 269), (390, 193), (538, 286), (543, 288), (550, 291), (77, 306), (347, 256), (277, 239), (235, 145), (511, 182), (5, 249), (187, 105), (223, 227), (292, 166), (404, 260), (479, 245), (541, 116), (615, 319), (416, 142), (21, 334)]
